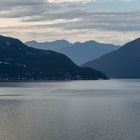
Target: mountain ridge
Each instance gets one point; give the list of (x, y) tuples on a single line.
[(79, 52)]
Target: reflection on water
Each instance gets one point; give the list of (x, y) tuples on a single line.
[(76, 110)]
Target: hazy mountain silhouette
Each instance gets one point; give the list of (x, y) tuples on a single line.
[(20, 62), (123, 63), (80, 53)]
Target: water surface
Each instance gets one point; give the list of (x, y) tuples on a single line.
[(75, 110)]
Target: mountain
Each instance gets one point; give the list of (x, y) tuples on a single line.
[(122, 63), (20, 62), (80, 53)]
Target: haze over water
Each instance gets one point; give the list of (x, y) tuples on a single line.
[(75, 110)]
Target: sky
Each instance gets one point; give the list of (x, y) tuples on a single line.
[(106, 21)]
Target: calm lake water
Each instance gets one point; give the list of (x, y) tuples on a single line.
[(75, 110)]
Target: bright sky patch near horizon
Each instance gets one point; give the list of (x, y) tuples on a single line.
[(107, 21)]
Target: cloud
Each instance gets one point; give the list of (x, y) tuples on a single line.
[(70, 1), (112, 21), (109, 21), (84, 1), (55, 19)]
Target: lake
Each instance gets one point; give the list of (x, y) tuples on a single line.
[(73, 110)]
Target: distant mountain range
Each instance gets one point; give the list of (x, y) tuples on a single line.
[(20, 62), (80, 53), (122, 63)]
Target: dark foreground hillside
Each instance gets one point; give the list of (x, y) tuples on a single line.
[(122, 63), (19, 62)]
